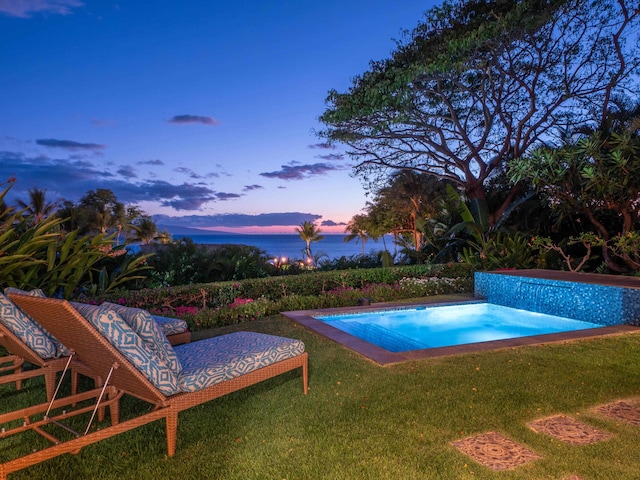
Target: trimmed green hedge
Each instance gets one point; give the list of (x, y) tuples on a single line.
[(224, 303)]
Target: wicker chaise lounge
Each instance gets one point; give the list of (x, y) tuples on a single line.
[(28, 342), (206, 369), (175, 329), (47, 367)]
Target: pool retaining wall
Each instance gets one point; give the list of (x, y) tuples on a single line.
[(579, 300)]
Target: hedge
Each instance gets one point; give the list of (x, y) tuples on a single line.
[(223, 303)]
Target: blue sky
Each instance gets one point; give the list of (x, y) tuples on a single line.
[(200, 111)]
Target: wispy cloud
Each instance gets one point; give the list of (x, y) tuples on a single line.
[(151, 162), (237, 220), (99, 122), (203, 120), (25, 8), (224, 196), (295, 171), (127, 171), (324, 146), (331, 156), (188, 171), (250, 188), (69, 144), (71, 179), (331, 223)]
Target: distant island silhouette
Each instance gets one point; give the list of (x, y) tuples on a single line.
[(178, 230)]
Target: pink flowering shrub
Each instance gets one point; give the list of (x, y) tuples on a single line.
[(184, 310), (240, 301), (218, 304)]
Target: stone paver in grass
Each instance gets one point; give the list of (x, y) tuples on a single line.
[(573, 477), (621, 410), (569, 430), (495, 451)]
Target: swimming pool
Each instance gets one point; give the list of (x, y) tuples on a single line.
[(609, 300), (401, 330)]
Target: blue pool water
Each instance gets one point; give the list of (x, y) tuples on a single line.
[(418, 328)]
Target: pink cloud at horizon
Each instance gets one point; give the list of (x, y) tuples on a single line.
[(274, 230)]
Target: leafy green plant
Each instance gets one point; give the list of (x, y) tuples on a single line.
[(126, 270), (184, 262), (219, 304), (499, 250), (587, 240), (213, 295), (39, 254)]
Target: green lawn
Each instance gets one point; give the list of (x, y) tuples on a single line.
[(362, 421)]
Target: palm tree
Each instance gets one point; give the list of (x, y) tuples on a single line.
[(357, 229), (164, 237), (309, 233), (126, 219), (70, 213), (102, 221), (145, 230), (38, 208), (101, 211)]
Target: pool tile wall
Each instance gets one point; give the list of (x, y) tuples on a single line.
[(600, 304)]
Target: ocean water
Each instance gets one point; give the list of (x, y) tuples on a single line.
[(292, 246)]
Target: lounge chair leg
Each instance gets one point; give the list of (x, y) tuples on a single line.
[(50, 383), (305, 373), (114, 408), (74, 383), (17, 362), (172, 431)]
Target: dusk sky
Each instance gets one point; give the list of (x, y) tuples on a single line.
[(200, 111)]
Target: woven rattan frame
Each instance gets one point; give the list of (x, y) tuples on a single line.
[(13, 364), (47, 368), (66, 324), (179, 338)]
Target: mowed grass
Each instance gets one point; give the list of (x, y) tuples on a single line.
[(363, 421)]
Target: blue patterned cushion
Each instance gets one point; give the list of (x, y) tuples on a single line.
[(129, 343), (36, 292), (61, 350), (27, 329), (214, 360), (170, 326), (146, 327)]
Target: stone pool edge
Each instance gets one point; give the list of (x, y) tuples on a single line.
[(384, 357)]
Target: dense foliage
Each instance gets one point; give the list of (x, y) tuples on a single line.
[(500, 134), (182, 262), (215, 304), (36, 252), (595, 177)]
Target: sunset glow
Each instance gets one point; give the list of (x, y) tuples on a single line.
[(203, 116)]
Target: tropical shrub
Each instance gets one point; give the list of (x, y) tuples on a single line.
[(212, 295), (499, 250), (183, 262), (246, 310), (216, 304), (39, 254), (353, 261)]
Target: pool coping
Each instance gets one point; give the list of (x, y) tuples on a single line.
[(384, 357)]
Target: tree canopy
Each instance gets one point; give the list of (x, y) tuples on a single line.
[(595, 175), (478, 83)]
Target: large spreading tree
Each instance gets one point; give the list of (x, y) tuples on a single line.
[(478, 83)]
